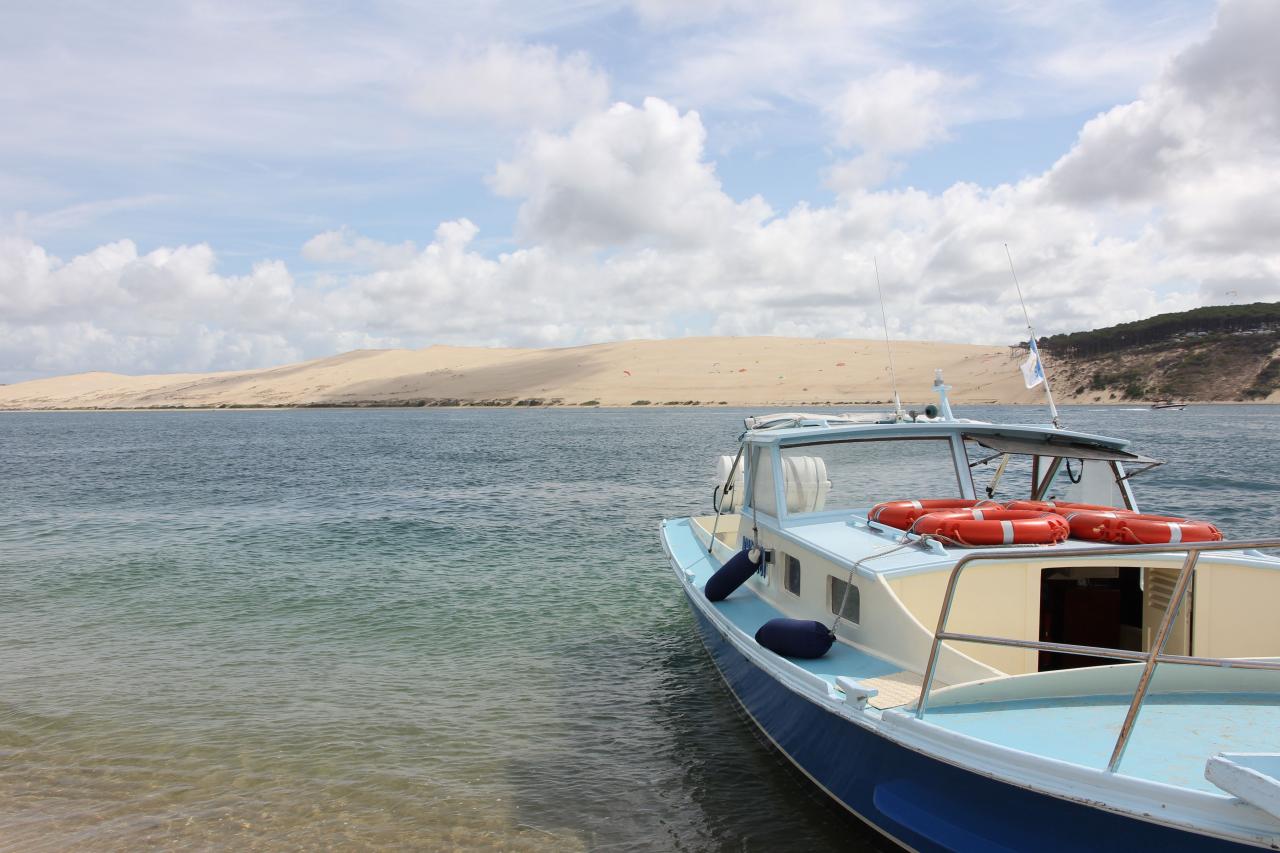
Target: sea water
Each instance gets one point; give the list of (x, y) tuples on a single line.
[(436, 629)]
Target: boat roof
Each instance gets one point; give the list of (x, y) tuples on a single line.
[(1045, 439)]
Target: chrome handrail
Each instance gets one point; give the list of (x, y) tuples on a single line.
[(1156, 655)]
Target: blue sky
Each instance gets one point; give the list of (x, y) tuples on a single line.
[(193, 186)]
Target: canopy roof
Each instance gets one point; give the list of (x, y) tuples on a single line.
[(1069, 447)]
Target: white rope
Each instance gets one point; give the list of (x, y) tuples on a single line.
[(854, 569)]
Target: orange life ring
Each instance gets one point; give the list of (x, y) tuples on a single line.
[(903, 514), (1126, 527), (1063, 507), (1090, 524), (1136, 529), (1085, 520), (973, 527)]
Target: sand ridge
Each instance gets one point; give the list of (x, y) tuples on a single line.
[(737, 371)]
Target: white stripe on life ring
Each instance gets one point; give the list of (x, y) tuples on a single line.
[(917, 504), (1007, 527), (977, 513), (1175, 532)]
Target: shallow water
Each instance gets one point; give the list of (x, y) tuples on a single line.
[(419, 628)]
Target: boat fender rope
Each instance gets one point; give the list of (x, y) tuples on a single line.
[(853, 570)]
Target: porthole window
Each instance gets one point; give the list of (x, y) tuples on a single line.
[(792, 576), (847, 606)]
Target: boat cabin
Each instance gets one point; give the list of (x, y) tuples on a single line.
[(802, 490)]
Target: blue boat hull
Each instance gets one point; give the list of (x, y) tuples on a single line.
[(918, 801)]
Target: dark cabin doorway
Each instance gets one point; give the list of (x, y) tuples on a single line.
[(1090, 606)]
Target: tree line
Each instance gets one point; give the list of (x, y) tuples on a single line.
[(1198, 322)]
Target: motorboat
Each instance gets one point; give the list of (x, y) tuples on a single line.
[(969, 635), (1168, 404)]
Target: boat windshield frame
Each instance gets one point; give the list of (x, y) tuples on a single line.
[(1057, 444)]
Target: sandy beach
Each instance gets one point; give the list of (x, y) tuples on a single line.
[(757, 371)]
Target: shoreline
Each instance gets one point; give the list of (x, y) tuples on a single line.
[(1132, 404)]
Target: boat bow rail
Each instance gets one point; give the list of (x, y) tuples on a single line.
[(1149, 659)]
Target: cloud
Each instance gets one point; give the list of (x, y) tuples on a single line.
[(626, 230), (344, 246), (520, 85), (622, 176), (886, 114), (858, 173), (166, 310), (892, 111), (1212, 115), (76, 215)]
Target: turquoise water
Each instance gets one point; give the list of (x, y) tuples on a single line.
[(423, 628)]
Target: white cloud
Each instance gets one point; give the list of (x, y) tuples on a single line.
[(621, 176), (896, 110), (522, 85), (1210, 120), (344, 246), (762, 50), (1162, 204), (76, 215), (858, 173), (889, 113), (167, 310)]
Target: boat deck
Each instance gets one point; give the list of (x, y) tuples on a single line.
[(1174, 736), (748, 612), (1176, 732)]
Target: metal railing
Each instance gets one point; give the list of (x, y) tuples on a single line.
[(1156, 655)]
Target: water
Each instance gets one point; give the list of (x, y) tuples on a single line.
[(417, 628)]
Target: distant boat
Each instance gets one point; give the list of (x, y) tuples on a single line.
[(1074, 691), (1168, 404)]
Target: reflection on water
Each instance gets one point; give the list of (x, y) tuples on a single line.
[(415, 628)]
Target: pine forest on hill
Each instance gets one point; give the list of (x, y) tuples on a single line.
[(1220, 352)]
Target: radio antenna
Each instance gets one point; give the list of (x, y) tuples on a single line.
[(1033, 369), (884, 320)]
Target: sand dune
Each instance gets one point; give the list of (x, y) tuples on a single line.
[(760, 371)]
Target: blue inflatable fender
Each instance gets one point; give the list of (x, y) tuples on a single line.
[(731, 575), (795, 638)]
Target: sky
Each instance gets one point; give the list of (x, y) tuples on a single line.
[(195, 186)]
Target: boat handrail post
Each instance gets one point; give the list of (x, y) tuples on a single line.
[(1157, 649), (926, 683)]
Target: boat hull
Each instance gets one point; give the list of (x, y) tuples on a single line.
[(919, 801)]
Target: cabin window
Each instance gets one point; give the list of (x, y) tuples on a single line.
[(792, 577), (845, 600), (856, 475)]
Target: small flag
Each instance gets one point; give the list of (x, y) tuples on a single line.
[(1032, 369)]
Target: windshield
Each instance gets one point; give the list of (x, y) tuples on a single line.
[(856, 475), (1021, 476)]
